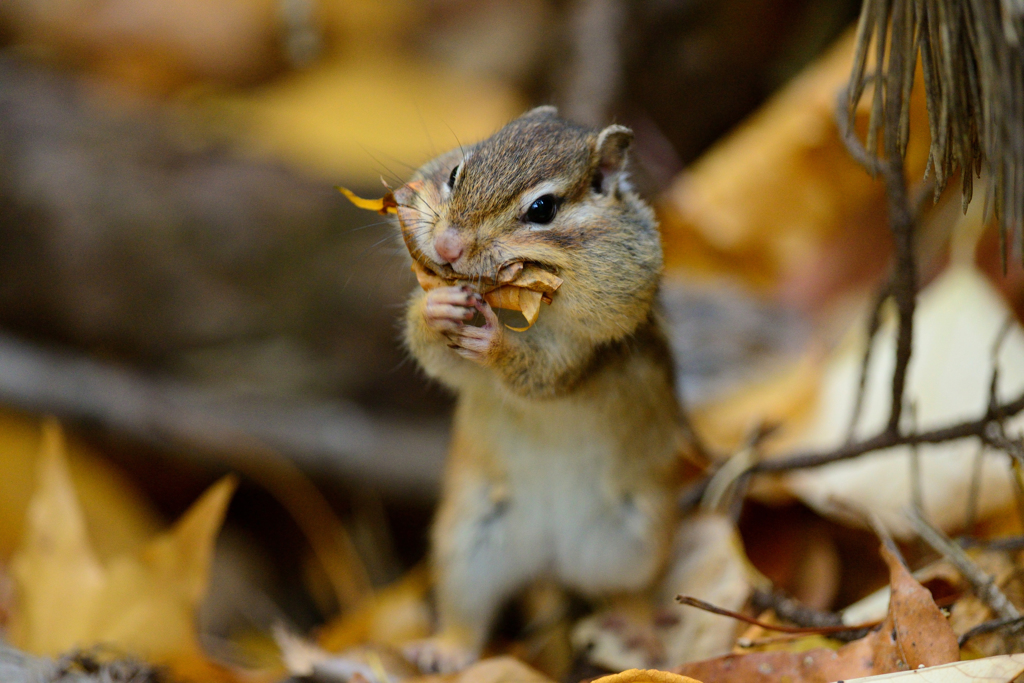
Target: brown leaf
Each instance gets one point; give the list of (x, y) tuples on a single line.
[(915, 633)]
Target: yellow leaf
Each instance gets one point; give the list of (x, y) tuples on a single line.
[(766, 201), (384, 205), (141, 603), (57, 575), (351, 119), (117, 515)]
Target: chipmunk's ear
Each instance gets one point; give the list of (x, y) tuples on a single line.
[(545, 111), (610, 151)]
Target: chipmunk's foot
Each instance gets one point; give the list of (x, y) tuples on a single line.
[(439, 655), (620, 640)]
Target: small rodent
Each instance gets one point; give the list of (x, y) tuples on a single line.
[(564, 453)]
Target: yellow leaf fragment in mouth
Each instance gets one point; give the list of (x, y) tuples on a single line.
[(516, 298)]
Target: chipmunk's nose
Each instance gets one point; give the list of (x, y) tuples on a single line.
[(449, 245)]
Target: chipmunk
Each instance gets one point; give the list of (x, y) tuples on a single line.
[(564, 450)]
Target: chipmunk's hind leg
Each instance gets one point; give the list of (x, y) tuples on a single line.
[(481, 559)]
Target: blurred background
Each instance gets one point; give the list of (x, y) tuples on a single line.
[(182, 285)]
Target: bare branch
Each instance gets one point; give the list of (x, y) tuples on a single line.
[(886, 439), (333, 438), (982, 584)]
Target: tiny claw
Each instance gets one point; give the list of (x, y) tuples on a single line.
[(453, 346)]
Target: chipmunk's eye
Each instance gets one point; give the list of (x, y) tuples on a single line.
[(451, 178), (543, 209)]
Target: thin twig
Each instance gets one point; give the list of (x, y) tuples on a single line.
[(708, 607), (874, 325), (788, 609), (1011, 543), (983, 585), (974, 491), (990, 627)]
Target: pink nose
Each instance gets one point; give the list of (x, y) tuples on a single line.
[(449, 245)]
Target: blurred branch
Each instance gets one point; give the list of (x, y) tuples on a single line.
[(400, 457), (1013, 623), (596, 70)]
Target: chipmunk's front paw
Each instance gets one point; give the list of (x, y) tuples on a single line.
[(439, 655), (449, 310)]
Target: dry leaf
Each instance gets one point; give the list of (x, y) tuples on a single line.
[(1001, 669), (708, 562), (780, 202), (394, 615), (645, 676), (500, 670), (969, 611), (383, 206), (117, 515), (142, 603), (374, 663), (915, 633), (959, 316)]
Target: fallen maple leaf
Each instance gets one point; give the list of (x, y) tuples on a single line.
[(140, 603), (914, 634), (115, 511)]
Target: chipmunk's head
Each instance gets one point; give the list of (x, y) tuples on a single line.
[(542, 190)]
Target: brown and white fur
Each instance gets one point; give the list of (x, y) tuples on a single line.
[(565, 441)]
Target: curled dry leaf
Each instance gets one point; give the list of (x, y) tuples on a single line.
[(914, 634), (523, 291), (141, 603)]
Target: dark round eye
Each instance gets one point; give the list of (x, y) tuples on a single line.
[(543, 209), (451, 178)]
